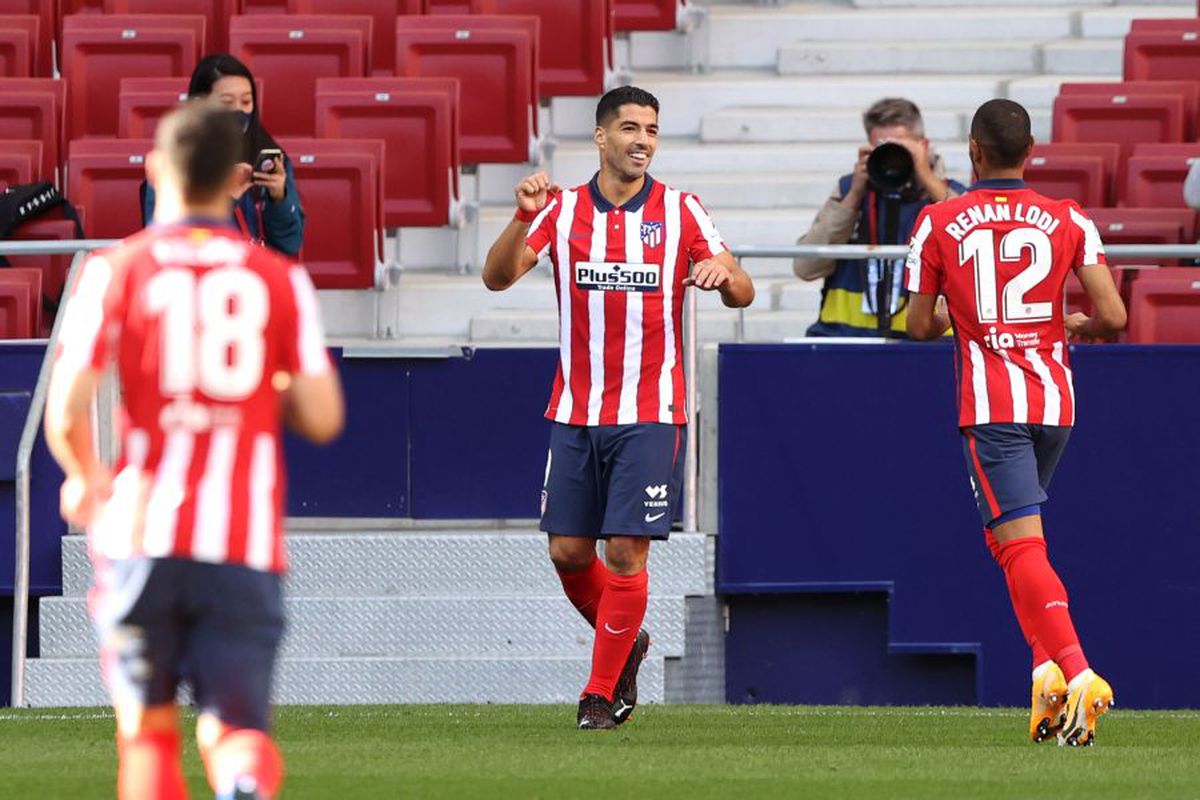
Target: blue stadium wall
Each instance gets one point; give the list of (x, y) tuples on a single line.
[(850, 553)]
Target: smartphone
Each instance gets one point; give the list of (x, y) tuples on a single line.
[(266, 159)]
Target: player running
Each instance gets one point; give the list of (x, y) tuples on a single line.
[(624, 248), (216, 341), (1000, 255)]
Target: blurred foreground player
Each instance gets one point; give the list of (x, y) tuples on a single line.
[(1000, 254), (216, 342), (624, 248)]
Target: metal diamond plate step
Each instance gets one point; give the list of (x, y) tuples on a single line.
[(462, 627), (76, 682), (439, 564)]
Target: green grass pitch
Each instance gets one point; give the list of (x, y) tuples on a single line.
[(665, 752)]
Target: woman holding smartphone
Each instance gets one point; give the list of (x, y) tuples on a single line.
[(267, 208)]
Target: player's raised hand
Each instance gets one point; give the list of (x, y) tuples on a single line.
[(534, 191), (708, 275)]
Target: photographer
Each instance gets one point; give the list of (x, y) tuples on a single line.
[(266, 206), (896, 175)]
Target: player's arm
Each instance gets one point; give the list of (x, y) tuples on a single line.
[(1108, 316), (723, 273), (927, 317), (315, 407), (68, 427), (510, 256)]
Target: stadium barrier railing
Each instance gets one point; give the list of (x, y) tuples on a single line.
[(81, 247)]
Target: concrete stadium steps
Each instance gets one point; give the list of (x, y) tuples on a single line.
[(404, 615), (1115, 22), (1087, 56), (799, 124), (906, 57), (59, 683), (401, 627)]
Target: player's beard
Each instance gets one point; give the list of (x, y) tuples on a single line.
[(630, 170)]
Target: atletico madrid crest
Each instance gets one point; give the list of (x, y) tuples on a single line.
[(652, 234)]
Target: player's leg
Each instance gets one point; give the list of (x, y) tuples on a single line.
[(231, 653), (133, 604), (571, 514)]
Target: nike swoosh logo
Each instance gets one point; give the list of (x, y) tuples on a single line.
[(608, 628), (656, 517)]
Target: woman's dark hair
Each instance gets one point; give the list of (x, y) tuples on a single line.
[(222, 65)]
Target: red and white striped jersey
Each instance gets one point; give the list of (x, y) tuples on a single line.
[(1000, 254), (206, 330), (619, 273)]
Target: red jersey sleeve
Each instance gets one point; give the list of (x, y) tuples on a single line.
[(92, 318), (924, 265), (541, 231), (699, 234), (1090, 249), (304, 350)]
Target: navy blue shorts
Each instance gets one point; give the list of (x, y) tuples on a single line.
[(216, 626), (1011, 465), (613, 480)]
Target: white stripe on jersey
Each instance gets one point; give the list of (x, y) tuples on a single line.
[(596, 321), (541, 217), (1058, 357), (84, 315), (707, 229), (260, 536), (167, 493), (627, 411), (983, 411), (673, 219), (1053, 398), (1016, 380), (914, 254), (210, 539), (311, 345), (565, 277), (1092, 246)]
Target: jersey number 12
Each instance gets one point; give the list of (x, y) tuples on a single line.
[(980, 247)]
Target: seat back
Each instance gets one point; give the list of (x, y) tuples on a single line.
[(647, 15), (447, 6), (1164, 307), (1144, 226), (572, 44), (341, 249), (103, 178), (1082, 172), (99, 51), (1154, 175), (1189, 90), (290, 53), (21, 302), (44, 10), (54, 268), (216, 14), (494, 64), (1162, 55), (383, 15), (19, 45), (144, 101), (417, 119), (32, 108), (20, 162), (1119, 117)]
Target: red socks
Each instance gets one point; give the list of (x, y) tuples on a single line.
[(245, 753), (619, 617), (149, 767), (585, 587), (1041, 602), (1040, 656)]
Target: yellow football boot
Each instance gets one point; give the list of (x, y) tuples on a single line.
[(1091, 698), (1049, 704)]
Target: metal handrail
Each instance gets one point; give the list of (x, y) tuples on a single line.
[(53, 247)]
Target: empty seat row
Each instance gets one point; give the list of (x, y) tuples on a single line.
[(1095, 174), (1163, 303), (1127, 113)]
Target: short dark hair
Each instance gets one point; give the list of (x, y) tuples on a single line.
[(1001, 129), (202, 143), (611, 103)]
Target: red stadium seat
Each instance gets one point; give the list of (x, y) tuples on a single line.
[(54, 269), (417, 119), (47, 28), (215, 12), (447, 6), (17, 299), (32, 108), (99, 51), (103, 178), (1180, 24), (264, 6), (20, 162), (1144, 226), (383, 14), (1164, 307), (1189, 90), (1082, 172), (1162, 54), (493, 58), (572, 57), (1119, 117), (290, 53), (647, 15), (144, 101), (341, 249), (19, 40), (1154, 175)]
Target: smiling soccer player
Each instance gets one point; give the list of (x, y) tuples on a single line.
[(624, 249)]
